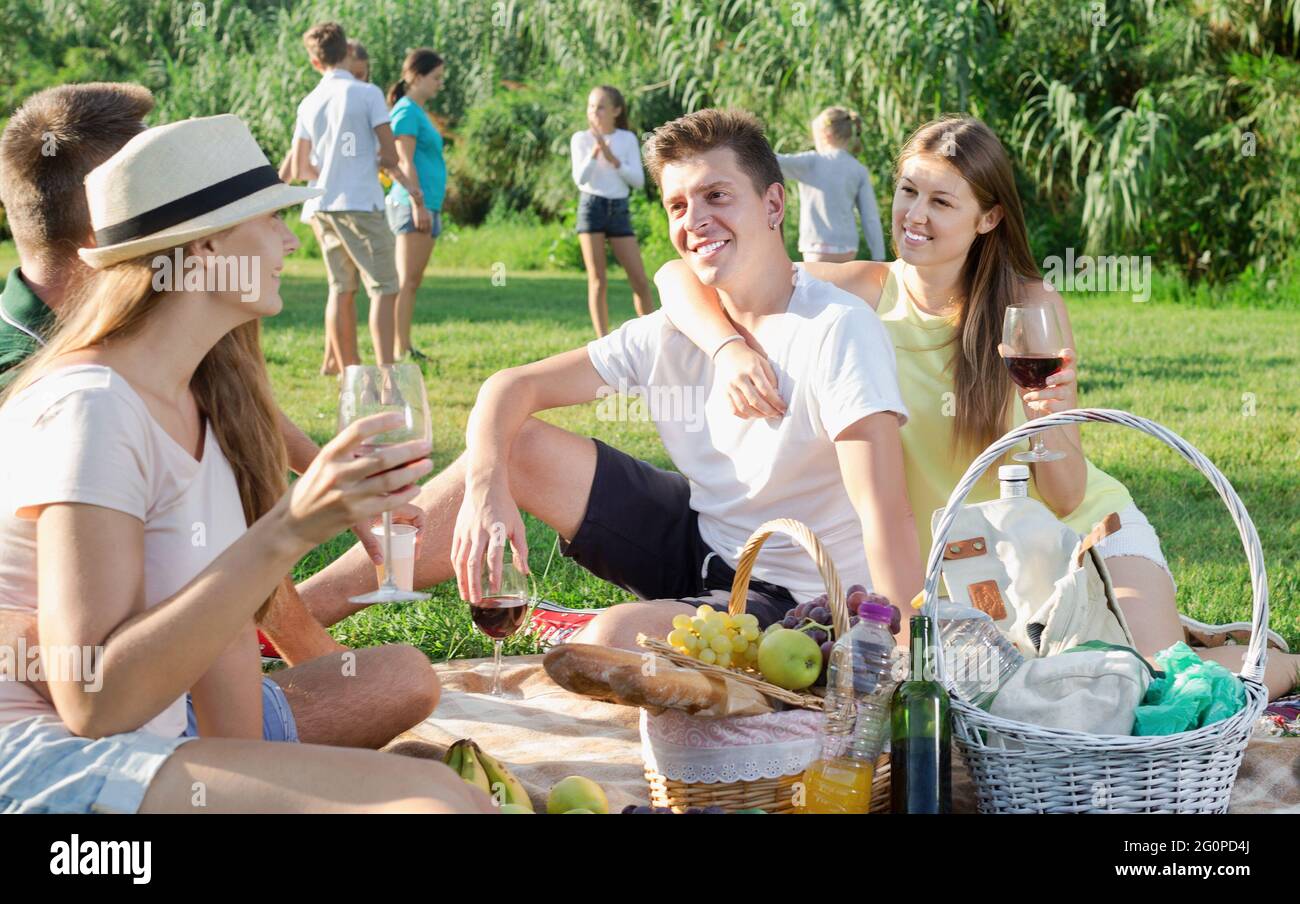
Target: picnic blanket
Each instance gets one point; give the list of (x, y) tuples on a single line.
[(544, 733)]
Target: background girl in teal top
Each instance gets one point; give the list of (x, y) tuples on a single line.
[(419, 153)]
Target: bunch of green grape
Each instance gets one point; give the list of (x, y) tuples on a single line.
[(717, 638)]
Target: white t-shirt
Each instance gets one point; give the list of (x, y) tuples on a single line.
[(835, 365), (81, 434), (596, 175), (339, 117)]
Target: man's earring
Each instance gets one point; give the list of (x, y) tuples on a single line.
[(771, 225)]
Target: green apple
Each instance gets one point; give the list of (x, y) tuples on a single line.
[(579, 810), (789, 659), (577, 793), (515, 808)]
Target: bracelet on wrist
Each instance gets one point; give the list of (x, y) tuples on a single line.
[(725, 342)]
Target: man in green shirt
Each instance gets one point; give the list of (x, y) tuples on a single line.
[(25, 320), (48, 147)]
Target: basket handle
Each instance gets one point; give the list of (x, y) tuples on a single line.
[(1256, 651), (803, 535)]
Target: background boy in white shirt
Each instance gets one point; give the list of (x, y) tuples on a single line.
[(343, 124)]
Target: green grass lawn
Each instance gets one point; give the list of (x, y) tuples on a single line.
[(1228, 381)]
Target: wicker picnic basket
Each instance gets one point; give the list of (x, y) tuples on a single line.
[(794, 730), (1053, 771)]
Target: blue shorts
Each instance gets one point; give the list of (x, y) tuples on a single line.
[(608, 215), (44, 768), (278, 723), (401, 218)]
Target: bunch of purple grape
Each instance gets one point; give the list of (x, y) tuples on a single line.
[(814, 617), (632, 809)]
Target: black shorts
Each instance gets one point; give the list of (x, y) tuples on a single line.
[(641, 534)]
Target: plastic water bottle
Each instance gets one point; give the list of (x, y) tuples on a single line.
[(859, 682), (978, 656)]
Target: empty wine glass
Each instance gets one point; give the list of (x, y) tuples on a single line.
[(368, 390)]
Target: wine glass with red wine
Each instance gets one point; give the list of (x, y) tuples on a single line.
[(1031, 349), (502, 609)]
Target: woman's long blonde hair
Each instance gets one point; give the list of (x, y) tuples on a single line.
[(230, 385), (997, 265)]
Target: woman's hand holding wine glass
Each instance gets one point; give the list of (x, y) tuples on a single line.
[(1032, 348), (396, 389), (1059, 392), (342, 488)]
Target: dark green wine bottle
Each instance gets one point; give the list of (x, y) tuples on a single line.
[(920, 771)]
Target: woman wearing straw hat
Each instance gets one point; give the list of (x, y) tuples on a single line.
[(145, 465)]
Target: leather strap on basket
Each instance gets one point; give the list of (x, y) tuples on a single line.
[(803, 535), (964, 549), (1104, 528)]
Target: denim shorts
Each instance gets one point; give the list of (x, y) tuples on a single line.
[(640, 533), (44, 768), (1136, 537), (278, 723), (401, 218), (608, 215)]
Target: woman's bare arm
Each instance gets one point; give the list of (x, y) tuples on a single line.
[(90, 575), (750, 383), (870, 454)]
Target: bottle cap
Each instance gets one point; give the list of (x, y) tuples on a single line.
[(876, 612), (1013, 472)]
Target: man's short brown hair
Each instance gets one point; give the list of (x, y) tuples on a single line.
[(51, 142), (326, 43), (702, 131)]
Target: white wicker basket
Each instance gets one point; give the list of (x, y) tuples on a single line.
[(1074, 772)]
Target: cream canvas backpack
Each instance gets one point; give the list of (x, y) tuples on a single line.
[(1043, 585)]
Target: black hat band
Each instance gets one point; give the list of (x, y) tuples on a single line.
[(187, 207)]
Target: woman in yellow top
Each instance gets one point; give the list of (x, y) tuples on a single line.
[(963, 256)]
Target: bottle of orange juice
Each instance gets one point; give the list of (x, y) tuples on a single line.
[(859, 683)]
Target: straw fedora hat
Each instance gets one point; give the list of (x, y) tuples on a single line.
[(175, 183)]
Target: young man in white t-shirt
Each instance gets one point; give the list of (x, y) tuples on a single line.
[(834, 461), (343, 124)]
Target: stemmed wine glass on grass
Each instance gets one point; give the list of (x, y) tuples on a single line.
[(503, 607), (1031, 349), (368, 390)]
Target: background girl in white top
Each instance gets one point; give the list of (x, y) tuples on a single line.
[(606, 167), (832, 182), (143, 479)]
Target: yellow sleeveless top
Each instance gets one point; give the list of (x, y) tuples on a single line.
[(921, 341)]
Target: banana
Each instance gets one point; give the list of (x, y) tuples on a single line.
[(471, 770), (454, 756), (499, 777)]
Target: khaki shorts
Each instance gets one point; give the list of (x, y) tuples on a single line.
[(357, 240)]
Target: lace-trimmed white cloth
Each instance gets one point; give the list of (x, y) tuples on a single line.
[(744, 748)]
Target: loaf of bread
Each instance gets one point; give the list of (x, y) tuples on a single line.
[(644, 679)]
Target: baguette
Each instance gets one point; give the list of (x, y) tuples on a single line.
[(644, 679)]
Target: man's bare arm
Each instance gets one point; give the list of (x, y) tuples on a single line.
[(505, 402), (870, 453)]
